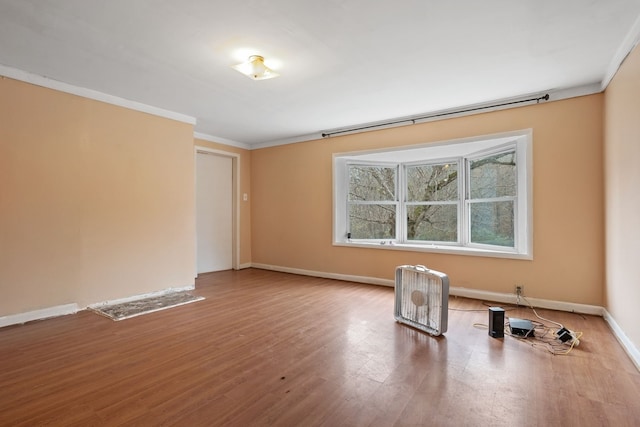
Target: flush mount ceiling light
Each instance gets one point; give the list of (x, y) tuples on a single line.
[(255, 69)]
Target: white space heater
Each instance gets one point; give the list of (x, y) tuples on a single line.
[(422, 298)]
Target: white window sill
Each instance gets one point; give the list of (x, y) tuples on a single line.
[(441, 249)]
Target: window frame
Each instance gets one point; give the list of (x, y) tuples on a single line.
[(477, 147), (459, 201), (468, 201), (396, 202)]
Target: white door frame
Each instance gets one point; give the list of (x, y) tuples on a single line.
[(235, 204)]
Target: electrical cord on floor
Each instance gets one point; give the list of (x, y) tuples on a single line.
[(541, 335), (540, 341), (545, 337), (538, 316)]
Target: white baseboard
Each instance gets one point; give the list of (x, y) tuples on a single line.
[(44, 313), (622, 338), (571, 307), (455, 291), (141, 296), (244, 266), (335, 276), (61, 310)]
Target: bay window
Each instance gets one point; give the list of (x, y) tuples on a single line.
[(468, 196)]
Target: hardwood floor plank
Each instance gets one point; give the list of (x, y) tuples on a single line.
[(268, 348)]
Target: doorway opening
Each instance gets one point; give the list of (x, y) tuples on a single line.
[(217, 229)]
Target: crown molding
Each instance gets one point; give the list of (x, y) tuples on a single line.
[(48, 83), (220, 140), (625, 48), (287, 141), (556, 94)]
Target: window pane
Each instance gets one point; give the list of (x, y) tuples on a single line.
[(492, 223), (493, 176), (432, 183), (372, 221), (372, 183), (432, 222)]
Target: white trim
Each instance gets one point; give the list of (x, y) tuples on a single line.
[(628, 44), (44, 313), (142, 296), (244, 266), (455, 291), (287, 141), (235, 165), (622, 338), (574, 92), (436, 249), (557, 94), (220, 140), (467, 143), (335, 276), (536, 302), (46, 82)]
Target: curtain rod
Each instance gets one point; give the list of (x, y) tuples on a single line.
[(431, 116)]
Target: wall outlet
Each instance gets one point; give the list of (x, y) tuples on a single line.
[(519, 290)]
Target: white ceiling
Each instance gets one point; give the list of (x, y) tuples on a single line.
[(342, 62)]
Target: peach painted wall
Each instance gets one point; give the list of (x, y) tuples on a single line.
[(292, 204), (622, 177), (244, 162), (96, 201)]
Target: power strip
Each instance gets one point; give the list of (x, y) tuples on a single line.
[(567, 336)]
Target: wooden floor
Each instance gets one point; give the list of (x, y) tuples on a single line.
[(267, 348)]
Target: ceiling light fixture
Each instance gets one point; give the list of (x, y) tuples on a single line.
[(255, 68)]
